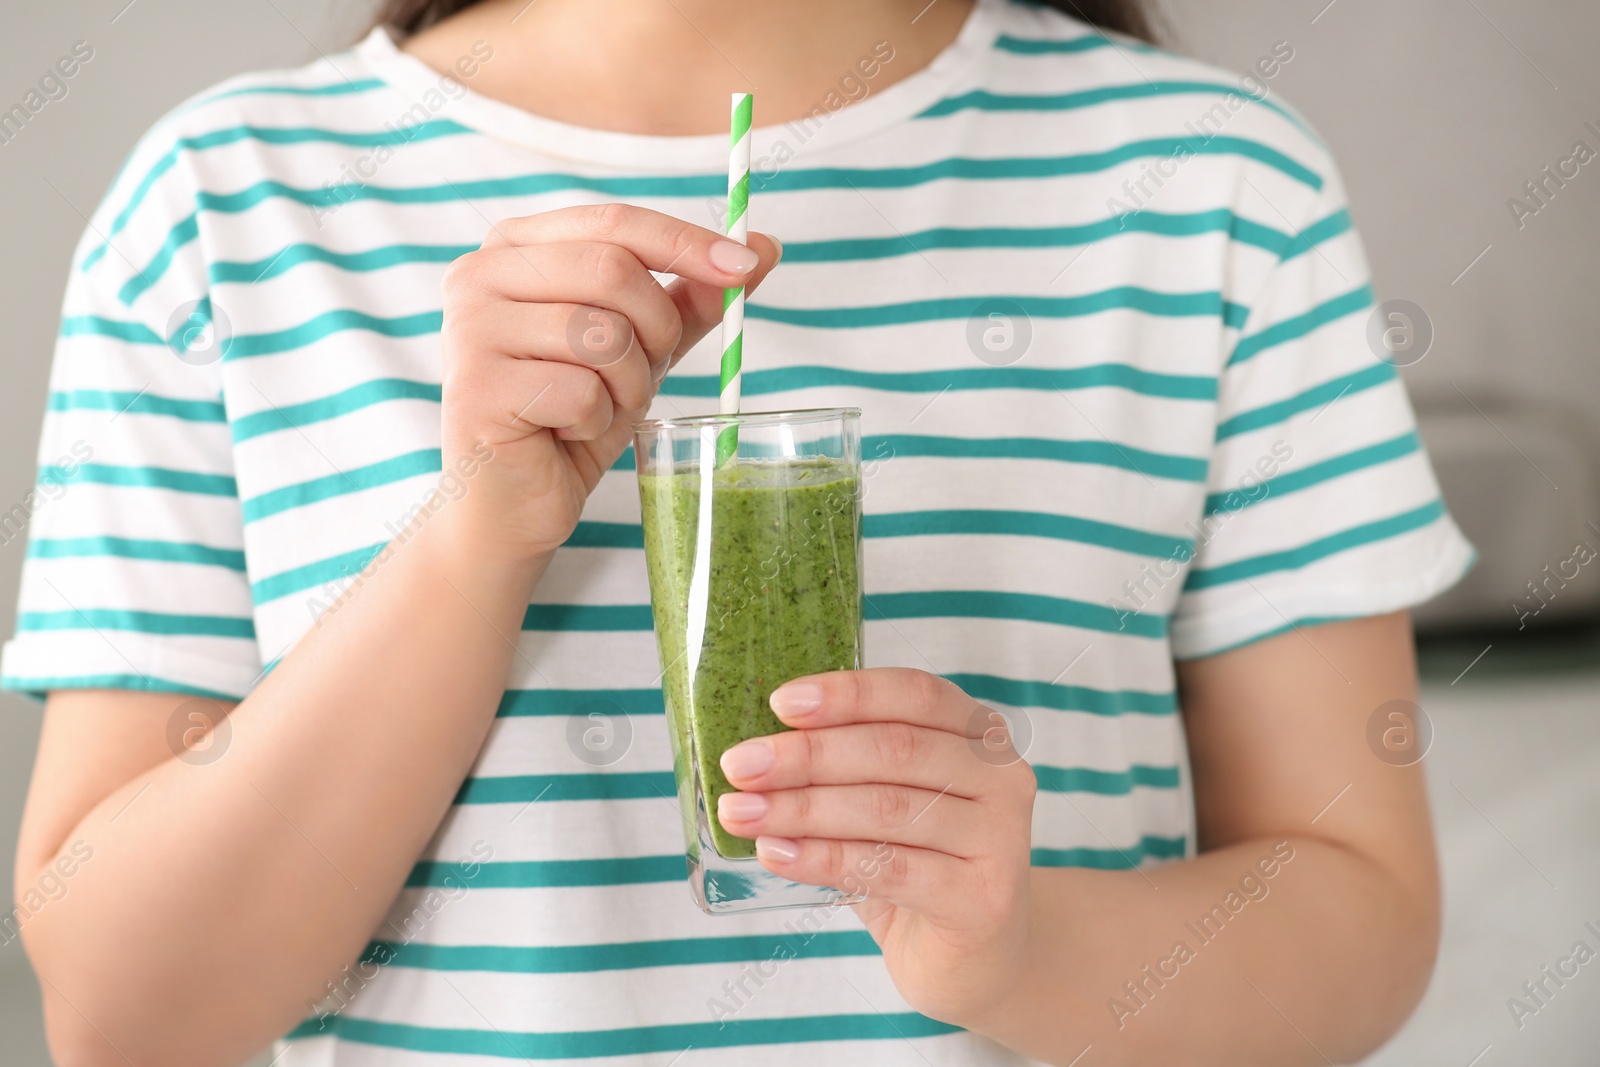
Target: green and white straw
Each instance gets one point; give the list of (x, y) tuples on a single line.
[(733, 299)]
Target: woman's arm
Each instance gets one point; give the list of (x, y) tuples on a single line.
[(1339, 947), (1304, 933), (219, 899)]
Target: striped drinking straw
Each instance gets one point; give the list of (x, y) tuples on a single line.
[(733, 299)]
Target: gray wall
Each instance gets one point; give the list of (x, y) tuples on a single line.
[(53, 175), (1437, 116), (1440, 111), (1438, 119), (155, 53)]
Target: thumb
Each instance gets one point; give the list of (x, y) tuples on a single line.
[(701, 304)]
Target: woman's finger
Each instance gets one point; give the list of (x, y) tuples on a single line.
[(878, 812), (591, 274), (661, 242), (922, 880), (894, 753), (700, 304), (881, 694), (599, 339), (528, 395)]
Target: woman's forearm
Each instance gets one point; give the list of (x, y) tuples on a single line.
[(1270, 952), (226, 896), (223, 897)]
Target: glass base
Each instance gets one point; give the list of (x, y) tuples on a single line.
[(722, 886)]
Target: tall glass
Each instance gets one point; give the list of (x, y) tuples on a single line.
[(755, 579)]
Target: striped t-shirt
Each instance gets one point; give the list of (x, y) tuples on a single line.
[(1108, 323)]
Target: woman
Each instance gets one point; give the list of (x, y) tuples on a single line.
[(1106, 317)]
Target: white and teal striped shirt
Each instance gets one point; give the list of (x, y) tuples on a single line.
[(1108, 323)]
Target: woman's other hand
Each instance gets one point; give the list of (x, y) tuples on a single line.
[(556, 337), (898, 786)]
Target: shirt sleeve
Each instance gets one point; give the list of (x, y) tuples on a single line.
[(134, 576), (1321, 503)]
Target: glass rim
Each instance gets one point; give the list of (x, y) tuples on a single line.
[(798, 417)]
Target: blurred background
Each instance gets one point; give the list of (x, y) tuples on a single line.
[(1442, 112)]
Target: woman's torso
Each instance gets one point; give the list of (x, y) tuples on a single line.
[(1039, 385)]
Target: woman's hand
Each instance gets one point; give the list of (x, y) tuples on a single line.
[(556, 338), (898, 785)]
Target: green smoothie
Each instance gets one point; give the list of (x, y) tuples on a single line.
[(773, 596)]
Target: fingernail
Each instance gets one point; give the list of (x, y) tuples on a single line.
[(733, 257), (777, 849), (779, 243), (748, 759), (741, 807), (796, 700)]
